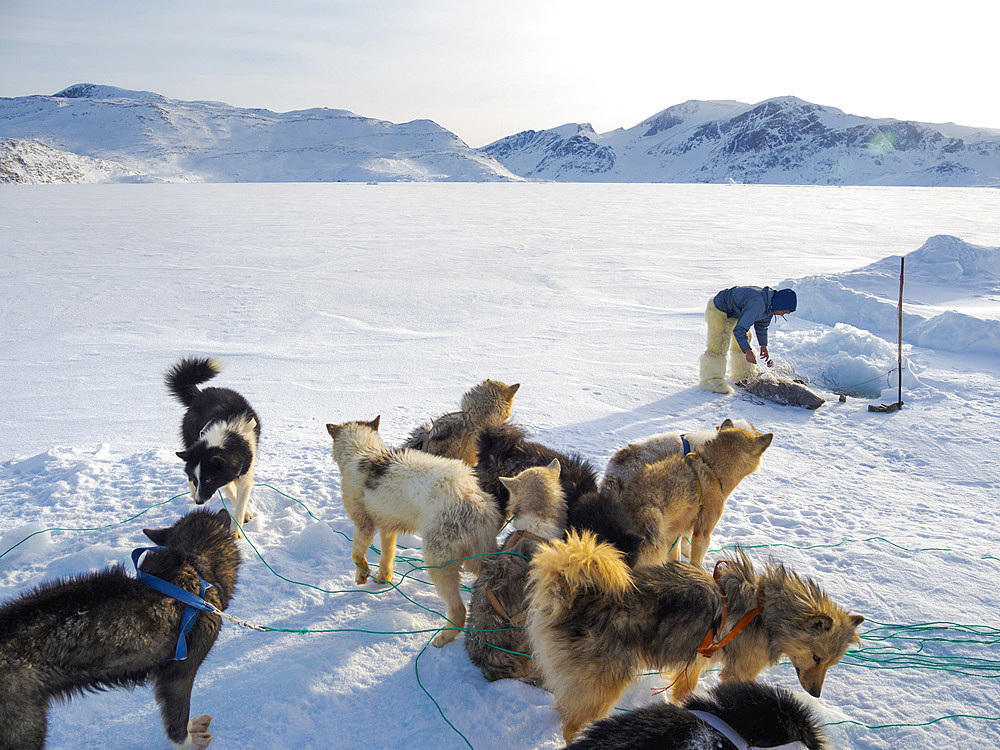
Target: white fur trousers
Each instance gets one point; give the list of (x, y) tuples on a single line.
[(713, 361)]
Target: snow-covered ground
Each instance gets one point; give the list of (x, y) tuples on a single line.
[(336, 301)]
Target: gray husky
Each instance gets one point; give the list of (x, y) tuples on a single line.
[(106, 629)]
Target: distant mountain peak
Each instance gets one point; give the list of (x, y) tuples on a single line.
[(783, 140), (96, 91)]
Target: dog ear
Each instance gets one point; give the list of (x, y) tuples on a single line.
[(763, 441), (183, 455), (334, 430), (251, 425), (554, 466), (217, 461), (512, 389), (158, 536), (509, 482), (727, 423), (374, 423), (857, 620), (822, 623)]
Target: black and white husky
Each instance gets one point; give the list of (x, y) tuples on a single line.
[(220, 432)]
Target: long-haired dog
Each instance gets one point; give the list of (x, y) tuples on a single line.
[(495, 638), (685, 495), (732, 716), (454, 435), (594, 624), (106, 629), (220, 432), (505, 451), (407, 491), (626, 462)]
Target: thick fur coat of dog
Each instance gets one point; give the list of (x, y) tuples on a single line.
[(761, 715), (407, 491), (220, 432), (594, 624), (626, 462), (105, 629), (495, 639), (685, 495), (505, 451), (454, 435)]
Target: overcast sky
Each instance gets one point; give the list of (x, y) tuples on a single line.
[(489, 69)]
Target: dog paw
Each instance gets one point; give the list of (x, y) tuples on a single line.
[(444, 637), (237, 534), (198, 736), (247, 516), (361, 577)]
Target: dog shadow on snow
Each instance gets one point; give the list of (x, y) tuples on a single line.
[(683, 411)]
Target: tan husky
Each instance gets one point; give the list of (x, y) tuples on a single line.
[(685, 495), (407, 491), (594, 624), (625, 462), (456, 434)]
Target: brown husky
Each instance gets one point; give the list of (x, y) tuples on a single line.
[(496, 640), (407, 491), (685, 495), (456, 434), (594, 624)]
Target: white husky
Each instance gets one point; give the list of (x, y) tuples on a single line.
[(407, 491)]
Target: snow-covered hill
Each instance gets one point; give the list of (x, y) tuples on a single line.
[(179, 141), (778, 141), (33, 162)]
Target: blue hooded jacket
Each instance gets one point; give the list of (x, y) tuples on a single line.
[(751, 306)]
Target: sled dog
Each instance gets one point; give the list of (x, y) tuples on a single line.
[(504, 451), (106, 629), (625, 462), (407, 491), (593, 624), (685, 495), (733, 715), (496, 640), (454, 435), (220, 432)]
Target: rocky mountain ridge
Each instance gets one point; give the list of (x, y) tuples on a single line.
[(778, 141)]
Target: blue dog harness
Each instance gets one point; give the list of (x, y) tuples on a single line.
[(685, 444), (194, 603)]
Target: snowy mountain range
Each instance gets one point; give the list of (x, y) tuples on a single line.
[(91, 133), (778, 141), (142, 136)]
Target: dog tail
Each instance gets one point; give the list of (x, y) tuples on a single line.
[(483, 531), (574, 565), (184, 378)]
